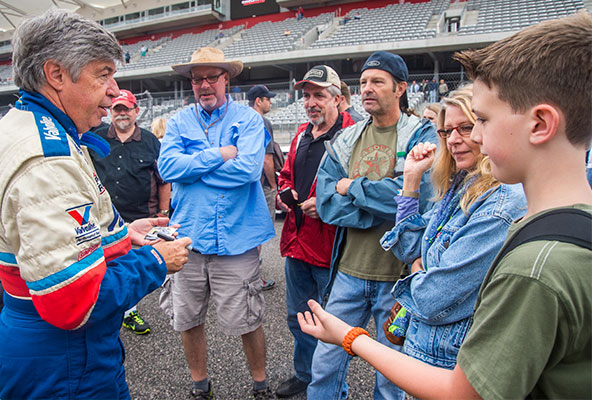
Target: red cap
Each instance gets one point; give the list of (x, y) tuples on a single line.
[(126, 98)]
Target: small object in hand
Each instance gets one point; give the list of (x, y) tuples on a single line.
[(170, 238), (395, 327), (287, 197), (153, 234), (349, 338)]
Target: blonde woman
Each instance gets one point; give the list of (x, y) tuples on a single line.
[(457, 240), (158, 127)]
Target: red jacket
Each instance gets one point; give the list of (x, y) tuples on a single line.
[(313, 242)]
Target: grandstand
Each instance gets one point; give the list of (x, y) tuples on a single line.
[(395, 22), (277, 48), (511, 15), (167, 51), (268, 37)]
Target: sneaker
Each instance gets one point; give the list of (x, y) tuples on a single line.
[(136, 324), (291, 387), (196, 394), (263, 394), (267, 284)]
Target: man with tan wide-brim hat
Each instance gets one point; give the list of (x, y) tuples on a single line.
[(213, 154), (212, 57)]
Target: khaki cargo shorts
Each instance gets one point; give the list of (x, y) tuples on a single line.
[(232, 282)]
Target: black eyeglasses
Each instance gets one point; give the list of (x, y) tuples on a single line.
[(210, 79), (464, 130)]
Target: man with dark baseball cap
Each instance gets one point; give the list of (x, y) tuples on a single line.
[(259, 91), (356, 185), (259, 98)]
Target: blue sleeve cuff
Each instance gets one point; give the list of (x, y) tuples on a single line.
[(406, 206)]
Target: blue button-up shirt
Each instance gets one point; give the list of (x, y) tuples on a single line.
[(219, 205)]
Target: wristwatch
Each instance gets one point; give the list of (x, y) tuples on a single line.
[(408, 193), (164, 212)]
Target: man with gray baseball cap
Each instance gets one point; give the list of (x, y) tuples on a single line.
[(356, 185), (306, 241)]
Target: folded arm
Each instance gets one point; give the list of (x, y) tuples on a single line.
[(246, 167), (355, 209), (185, 160)]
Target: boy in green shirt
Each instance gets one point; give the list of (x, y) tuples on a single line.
[(532, 328)]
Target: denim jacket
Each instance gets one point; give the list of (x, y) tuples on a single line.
[(441, 299), (368, 203)]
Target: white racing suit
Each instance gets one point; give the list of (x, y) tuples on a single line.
[(65, 262)]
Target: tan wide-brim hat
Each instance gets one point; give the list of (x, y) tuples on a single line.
[(209, 57)]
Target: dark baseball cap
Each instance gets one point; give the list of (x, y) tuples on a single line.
[(389, 62), (320, 75), (259, 91)]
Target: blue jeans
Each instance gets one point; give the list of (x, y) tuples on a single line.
[(433, 96), (304, 281), (353, 300)]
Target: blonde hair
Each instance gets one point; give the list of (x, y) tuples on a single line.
[(433, 107), (158, 127), (445, 166)]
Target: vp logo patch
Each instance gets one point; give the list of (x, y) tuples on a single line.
[(86, 231), (53, 137), (98, 183), (80, 213)]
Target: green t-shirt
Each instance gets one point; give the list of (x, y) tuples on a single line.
[(373, 156), (532, 326)]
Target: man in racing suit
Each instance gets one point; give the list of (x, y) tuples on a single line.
[(66, 262)]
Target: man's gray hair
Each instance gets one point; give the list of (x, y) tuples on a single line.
[(334, 91), (67, 38)]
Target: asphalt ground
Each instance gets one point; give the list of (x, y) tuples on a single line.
[(156, 367)]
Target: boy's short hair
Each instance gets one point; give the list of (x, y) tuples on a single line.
[(550, 62)]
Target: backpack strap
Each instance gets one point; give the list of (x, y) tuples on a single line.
[(567, 225)]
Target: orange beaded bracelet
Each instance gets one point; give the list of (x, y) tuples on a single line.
[(349, 338)]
